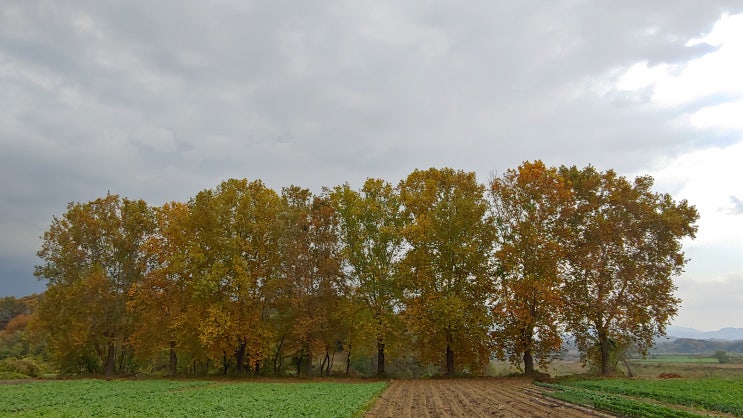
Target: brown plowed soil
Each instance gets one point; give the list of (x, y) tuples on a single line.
[(470, 398)]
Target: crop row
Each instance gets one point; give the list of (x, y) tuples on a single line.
[(613, 403), (723, 395)]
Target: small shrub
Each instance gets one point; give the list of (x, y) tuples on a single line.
[(24, 366), (11, 375)]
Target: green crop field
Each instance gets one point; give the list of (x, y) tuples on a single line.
[(677, 359), (133, 398), (655, 397)]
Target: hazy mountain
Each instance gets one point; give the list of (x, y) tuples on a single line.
[(729, 334)]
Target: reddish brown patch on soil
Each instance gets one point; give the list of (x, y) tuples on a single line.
[(470, 398)]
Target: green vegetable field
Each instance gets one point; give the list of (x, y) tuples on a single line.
[(131, 398), (657, 397)]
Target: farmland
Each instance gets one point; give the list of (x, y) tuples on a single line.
[(499, 397), (470, 398), (654, 397), (139, 398)]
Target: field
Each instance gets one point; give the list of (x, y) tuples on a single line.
[(140, 398), (470, 398), (574, 396), (677, 359), (655, 397)]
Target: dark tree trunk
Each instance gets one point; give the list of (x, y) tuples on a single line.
[(528, 363), (225, 363), (240, 359), (325, 361), (277, 357), (380, 357), (348, 360), (449, 361), (173, 360), (299, 363), (308, 363), (605, 352), (110, 359)]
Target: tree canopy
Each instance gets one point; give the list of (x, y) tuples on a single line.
[(440, 270)]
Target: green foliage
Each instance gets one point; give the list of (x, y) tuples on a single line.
[(722, 356), (24, 366), (86, 398), (721, 395)]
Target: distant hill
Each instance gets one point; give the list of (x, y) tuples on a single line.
[(727, 334)]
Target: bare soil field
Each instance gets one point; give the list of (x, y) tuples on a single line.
[(471, 398)]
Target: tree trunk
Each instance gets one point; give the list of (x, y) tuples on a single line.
[(277, 356), (308, 364), (240, 359), (225, 362), (325, 361), (110, 359), (299, 363), (173, 359), (528, 363), (605, 351), (348, 360), (380, 357), (449, 361)]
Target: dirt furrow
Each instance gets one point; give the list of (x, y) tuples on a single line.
[(469, 398)]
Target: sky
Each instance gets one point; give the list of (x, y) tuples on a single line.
[(159, 100)]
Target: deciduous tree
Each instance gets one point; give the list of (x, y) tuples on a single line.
[(371, 232), (532, 205), (625, 253), (313, 283), (446, 267), (92, 256), (234, 263), (160, 303)]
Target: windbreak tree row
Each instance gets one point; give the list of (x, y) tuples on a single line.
[(439, 269)]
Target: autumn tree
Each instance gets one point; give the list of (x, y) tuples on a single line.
[(532, 205), (371, 232), (233, 265), (312, 280), (160, 302), (624, 255), (446, 268), (17, 336), (92, 256)]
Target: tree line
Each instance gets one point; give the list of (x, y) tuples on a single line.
[(439, 268)]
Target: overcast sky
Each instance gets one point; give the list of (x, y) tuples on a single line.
[(159, 100)]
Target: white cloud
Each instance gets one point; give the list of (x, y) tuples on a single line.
[(707, 178), (715, 73), (725, 116)]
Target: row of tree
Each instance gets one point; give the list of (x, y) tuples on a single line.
[(440, 267)]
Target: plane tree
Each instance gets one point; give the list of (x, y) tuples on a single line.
[(625, 251), (531, 205)]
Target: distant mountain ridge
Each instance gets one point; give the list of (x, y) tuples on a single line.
[(727, 334)]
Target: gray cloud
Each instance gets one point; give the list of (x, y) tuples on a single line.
[(159, 100)]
